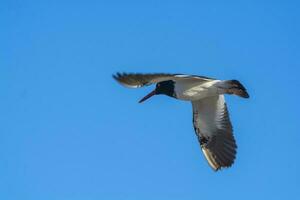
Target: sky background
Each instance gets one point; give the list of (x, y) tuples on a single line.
[(69, 131)]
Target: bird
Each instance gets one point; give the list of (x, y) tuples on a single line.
[(210, 114)]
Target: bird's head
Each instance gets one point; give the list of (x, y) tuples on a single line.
[(164, 87)]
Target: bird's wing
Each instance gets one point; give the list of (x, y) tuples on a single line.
[(214, 130), (139, 80), (135, 80)]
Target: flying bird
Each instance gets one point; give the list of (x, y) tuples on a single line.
[(210, 115)]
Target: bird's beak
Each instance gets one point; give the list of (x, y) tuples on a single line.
[(148, 96)]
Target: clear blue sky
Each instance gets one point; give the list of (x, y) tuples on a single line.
[(69, 131)]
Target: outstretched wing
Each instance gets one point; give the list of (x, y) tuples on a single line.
[(135, 80), (139, 80), (214, 130)]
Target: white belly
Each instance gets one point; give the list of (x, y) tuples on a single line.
[(195, 91)]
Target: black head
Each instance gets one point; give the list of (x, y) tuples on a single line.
[(164, 87)]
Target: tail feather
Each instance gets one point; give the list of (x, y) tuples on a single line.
[(234, 87)]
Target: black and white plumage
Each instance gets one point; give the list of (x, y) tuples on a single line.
[(210, 115)]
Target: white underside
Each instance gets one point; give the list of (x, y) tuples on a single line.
[(192, 91)]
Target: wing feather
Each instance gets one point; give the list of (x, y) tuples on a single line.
[(139, 80), (214, 130), (136, 80)]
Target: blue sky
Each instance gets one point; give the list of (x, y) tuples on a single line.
[(69, 131)]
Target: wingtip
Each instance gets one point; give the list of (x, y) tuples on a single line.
[(219, 167), (214, 161), (114, 76), (118, 76)]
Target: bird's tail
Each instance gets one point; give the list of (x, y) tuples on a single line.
[(233, 87)]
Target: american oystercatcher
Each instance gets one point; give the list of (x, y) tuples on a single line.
[(210, 115)]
